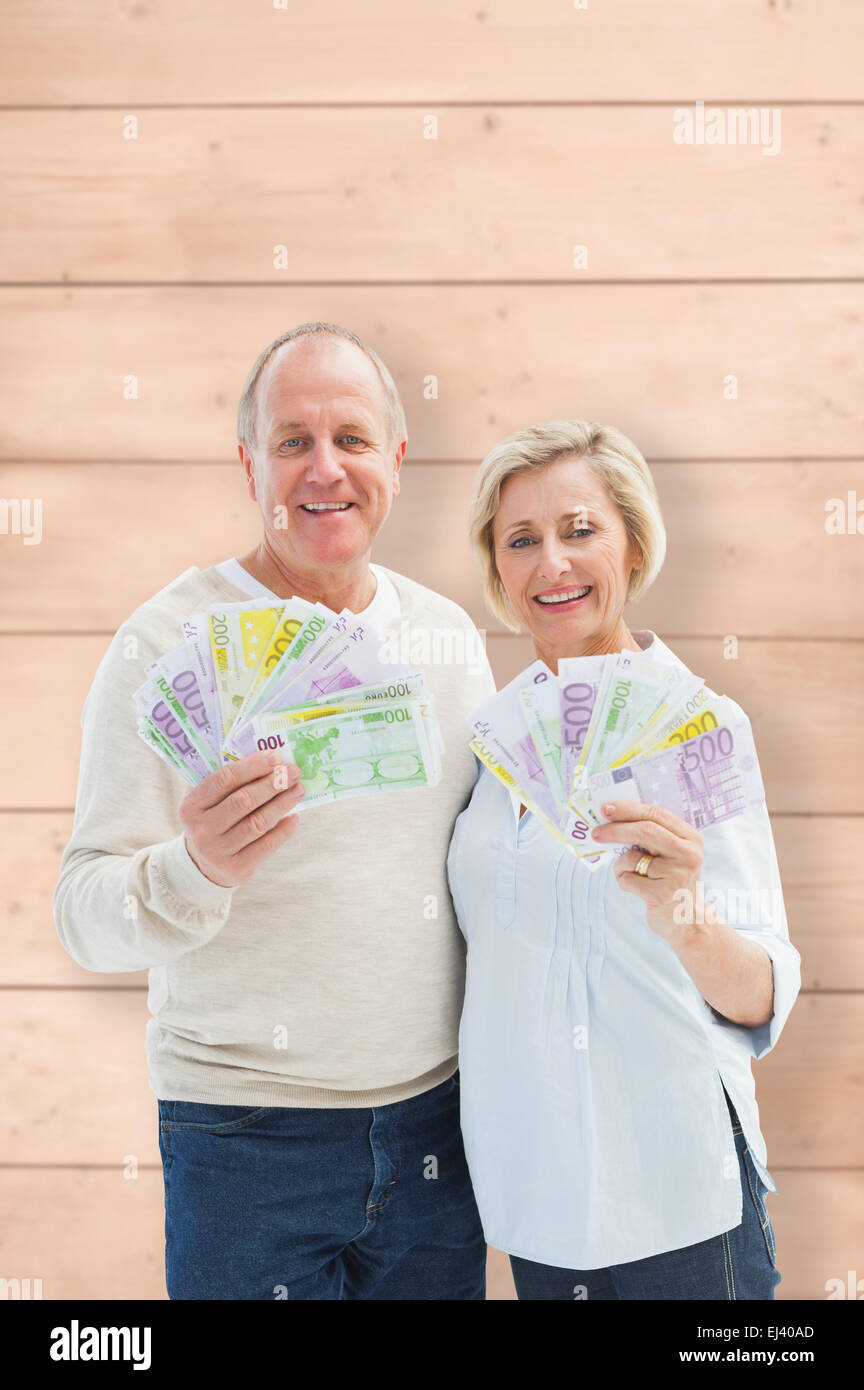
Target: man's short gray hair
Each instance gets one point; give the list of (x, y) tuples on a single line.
[(248, 409)]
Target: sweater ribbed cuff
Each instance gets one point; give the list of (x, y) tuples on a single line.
[(185, 880)]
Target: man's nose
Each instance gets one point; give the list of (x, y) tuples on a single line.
[(323, 465)]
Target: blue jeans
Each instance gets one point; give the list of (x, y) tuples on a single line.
[(278, 1202), (737, 1264)]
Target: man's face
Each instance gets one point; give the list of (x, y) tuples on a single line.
[(323, 469)]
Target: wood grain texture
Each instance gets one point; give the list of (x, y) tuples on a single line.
[(225, 50), (75, 1078), (809, 1086), (87, 1233), (818, 1221), (736, 536), (30, 850), (653, 360), (74, 1087), (354, 194), (822, 870)]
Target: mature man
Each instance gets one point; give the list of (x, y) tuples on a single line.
[(306, 972)]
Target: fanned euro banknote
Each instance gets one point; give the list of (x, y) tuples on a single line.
[(297, 679), (617, 727)]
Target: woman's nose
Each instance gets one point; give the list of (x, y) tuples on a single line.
[(552, 562)]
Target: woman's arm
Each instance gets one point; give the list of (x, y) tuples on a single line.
[(735, 976)]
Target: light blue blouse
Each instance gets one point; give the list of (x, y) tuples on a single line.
[(593, 1115)]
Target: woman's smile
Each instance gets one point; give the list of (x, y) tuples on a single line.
[(563, 600)]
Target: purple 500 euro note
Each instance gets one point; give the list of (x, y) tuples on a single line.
[(706, 779)]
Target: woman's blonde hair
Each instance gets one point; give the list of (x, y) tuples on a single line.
[(614, 457)]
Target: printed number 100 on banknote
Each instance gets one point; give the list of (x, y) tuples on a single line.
[(385, 749)]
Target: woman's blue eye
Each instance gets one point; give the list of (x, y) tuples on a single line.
[(521, 541)]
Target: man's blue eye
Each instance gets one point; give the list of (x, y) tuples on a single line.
[(353, 439)]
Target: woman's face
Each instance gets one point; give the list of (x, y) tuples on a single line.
[(563, 555)]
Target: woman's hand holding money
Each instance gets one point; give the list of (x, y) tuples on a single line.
[(670, 882), (733, 975)]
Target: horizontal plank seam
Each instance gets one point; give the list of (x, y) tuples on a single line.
[(69, 461), (102, 1167), (450, 104), (571, 283)]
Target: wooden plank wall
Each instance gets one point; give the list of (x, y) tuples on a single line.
[(305, 127)]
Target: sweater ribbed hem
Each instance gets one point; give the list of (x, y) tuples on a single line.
[(304, 1097)]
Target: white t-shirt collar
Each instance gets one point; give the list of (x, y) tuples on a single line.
[(381, 612)]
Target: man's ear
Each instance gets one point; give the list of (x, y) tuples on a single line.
[(397, 464), (248, 469)]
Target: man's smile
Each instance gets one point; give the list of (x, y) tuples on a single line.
[(312, 508)]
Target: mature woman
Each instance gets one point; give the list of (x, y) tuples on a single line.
[(608, 1106)]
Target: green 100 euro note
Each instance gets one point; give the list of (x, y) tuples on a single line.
[(389, 747)]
